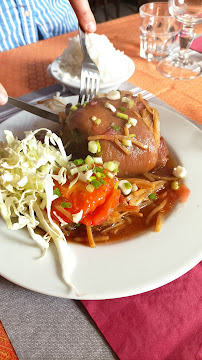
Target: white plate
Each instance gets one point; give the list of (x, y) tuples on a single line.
[(55, 71), (128, 267)]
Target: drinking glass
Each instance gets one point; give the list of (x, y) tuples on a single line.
[(158, 29), (181, 65)]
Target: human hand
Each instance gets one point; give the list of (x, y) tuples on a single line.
[(84, 14), (3, 95)]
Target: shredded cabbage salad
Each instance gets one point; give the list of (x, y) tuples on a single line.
[(27, 169)]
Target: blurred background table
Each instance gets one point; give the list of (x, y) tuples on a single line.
[(23, 70)]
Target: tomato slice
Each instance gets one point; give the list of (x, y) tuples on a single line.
[(81, 199), (180, 195), (183, 193), (102, 212)]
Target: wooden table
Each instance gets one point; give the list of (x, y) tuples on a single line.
[(23, 70)]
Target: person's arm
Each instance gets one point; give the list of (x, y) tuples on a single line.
[(84, 14), (86, 20), (3, 95)]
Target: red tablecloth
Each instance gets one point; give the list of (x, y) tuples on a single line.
[(162, 324)]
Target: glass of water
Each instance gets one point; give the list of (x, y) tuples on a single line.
[(182, 65), (159, 31)]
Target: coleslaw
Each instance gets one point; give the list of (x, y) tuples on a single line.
[(27, 169)]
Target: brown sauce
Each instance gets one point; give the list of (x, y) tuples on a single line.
[(134, 225)]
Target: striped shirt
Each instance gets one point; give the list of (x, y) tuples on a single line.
[(23, 22)]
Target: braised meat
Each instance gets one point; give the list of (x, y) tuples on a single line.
[(126, 128)]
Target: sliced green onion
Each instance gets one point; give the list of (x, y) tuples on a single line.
[(174, 185), (100, 175), (152, 196), (128, 125), (78, 104), (102, 181), (132, 135), (122, 108), (110, 175), (125, 99), (98, 160), (113, 95), (127, 185), (96, 183), (131, 103), (92, 178), (83, 168), (122, 116), (98, 169), (90, 188), (73, 108), (127, 142), (93, 146), (115, 127), (85, 103), (89, 160), (66, 205), (98, 121), (116, 185), (116, 170), (109, 165), (132, 121), (110, 106), (56, 192), (79, 169), (112, 166), (78, 161), (98, 147)]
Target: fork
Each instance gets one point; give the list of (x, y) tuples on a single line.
[(90, 76)]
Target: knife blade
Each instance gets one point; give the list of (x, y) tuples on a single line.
[(33, 109)]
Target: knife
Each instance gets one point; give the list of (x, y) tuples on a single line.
[(33, 109)]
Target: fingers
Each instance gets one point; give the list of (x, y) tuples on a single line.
[(3, 95), (84, 14)]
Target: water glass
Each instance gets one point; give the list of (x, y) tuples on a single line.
[(159, 31)]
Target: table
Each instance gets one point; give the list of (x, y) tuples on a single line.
[(26, 67), (23, 70)]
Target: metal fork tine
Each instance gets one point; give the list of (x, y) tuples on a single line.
[(81, 101), (82, 87), (87, 90), (85, 99), (92, 90), (90, 75), (80, 97), (97, 85)]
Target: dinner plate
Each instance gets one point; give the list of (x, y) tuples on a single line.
[(116, 269), (74, 85)]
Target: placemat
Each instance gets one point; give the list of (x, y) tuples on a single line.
[(43, 327), (163, 324)]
